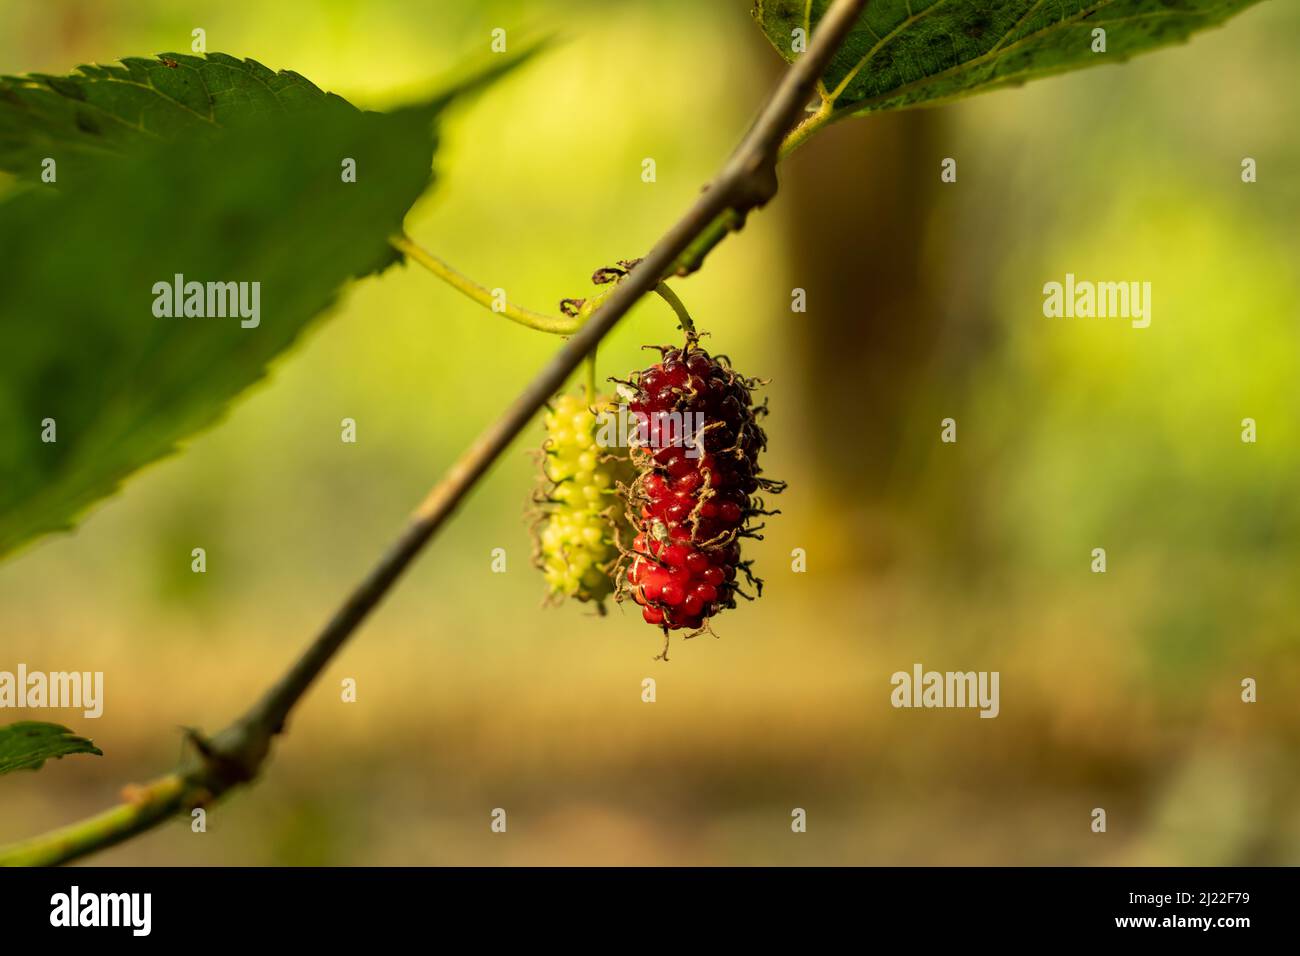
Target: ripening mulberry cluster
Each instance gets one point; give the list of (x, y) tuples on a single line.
[(582, 508), (682, 492), (694, 495)]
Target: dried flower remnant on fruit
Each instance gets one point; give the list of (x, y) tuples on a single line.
[(695, 495), (581, 508)]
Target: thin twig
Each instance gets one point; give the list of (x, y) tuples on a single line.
[(484, 297), (684, 317), (235, 755), (589, 384)]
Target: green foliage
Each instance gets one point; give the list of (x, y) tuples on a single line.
[(261, 199), (102, 110), (904, 53), (99, 111), (84, 347), (26, 745)]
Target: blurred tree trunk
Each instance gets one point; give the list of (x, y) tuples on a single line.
[(895, 263), (860, 198)]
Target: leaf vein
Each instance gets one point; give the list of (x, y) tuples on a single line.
[(1083, 12)]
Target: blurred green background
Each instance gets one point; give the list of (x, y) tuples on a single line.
[(924, 301)]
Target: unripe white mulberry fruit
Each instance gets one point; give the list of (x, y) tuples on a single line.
[(582, 506)]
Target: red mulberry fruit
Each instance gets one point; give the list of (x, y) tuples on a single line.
[(696, 453)]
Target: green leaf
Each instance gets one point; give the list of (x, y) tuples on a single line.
[(99, 112), (27, 744), (105, 110), (170, 191), (83, 347), (904, 53)]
